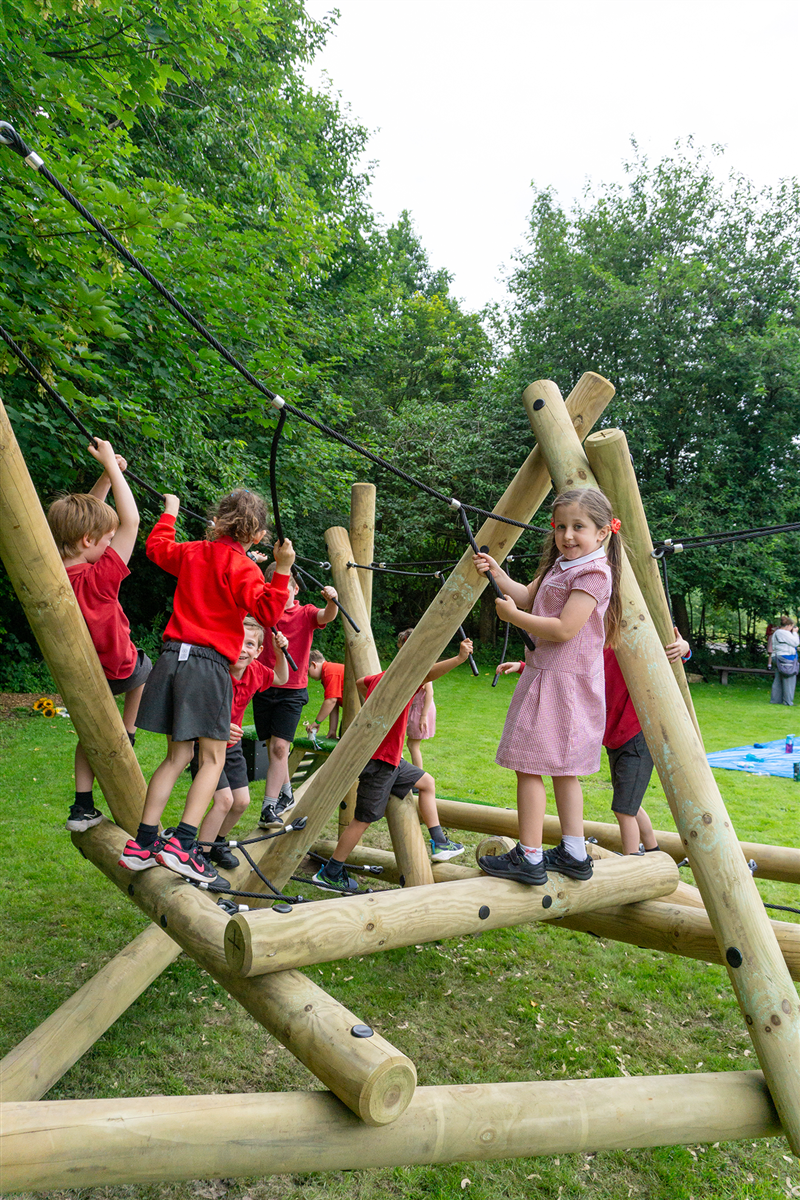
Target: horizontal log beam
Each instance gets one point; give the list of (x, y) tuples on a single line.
[(261, 942), (166, 1139)]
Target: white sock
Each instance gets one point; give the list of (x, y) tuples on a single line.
[(575, 846), (533, 854)]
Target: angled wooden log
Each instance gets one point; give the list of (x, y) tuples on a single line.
[(781, 863), (260, 942), (610, 459), (40, 581), (761, 981), (48, 1052), (433, 633), (367, 1073), (674, 929), (165, 1139)]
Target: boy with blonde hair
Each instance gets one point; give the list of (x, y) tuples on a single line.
[(95, 544)]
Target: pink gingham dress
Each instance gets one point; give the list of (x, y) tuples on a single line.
[(557, 714)]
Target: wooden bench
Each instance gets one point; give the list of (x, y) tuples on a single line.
[(726, 671)]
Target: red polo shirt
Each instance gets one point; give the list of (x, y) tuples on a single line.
[(391, 748), (96, 587)]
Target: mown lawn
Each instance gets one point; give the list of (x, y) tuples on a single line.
[(527, 1003)]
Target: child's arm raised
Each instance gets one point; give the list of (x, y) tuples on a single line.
[(125, 538), (574, 615), (325, 615), (447, 664), (484, 563)]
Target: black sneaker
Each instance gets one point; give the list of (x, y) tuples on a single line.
[(79, 820), (342, 883), (286, 801), (222, 855), (514, 865), (559, 859), (269, 818)]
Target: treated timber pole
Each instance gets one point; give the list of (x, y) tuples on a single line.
[(368, 1074), (781, 863), (48, 1052), (360, 646), (362, 541), (38, 577), (674, 929), (432, 634), (261, 942), (610, 459), (760, 978), (165, 1139), (408, 843), (363, 856)]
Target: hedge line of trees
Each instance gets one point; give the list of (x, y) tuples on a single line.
[(189, 131)]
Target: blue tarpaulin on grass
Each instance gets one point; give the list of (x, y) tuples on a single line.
[(761, 758)]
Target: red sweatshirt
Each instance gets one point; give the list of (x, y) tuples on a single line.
[(218, 585)]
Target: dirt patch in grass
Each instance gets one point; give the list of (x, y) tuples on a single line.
[(10, 702)]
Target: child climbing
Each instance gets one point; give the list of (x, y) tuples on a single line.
[(331, 676), (422, 715), (388, 774), (277, 710), (628, 755), (189, 694), (556, 718), (95, 544), (233, 791)]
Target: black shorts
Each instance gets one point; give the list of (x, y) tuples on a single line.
[(188, 695), (631, 767), (277, 712), (135, 679), (380, 780), (234, 773)]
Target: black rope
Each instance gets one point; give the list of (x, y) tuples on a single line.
[(461, 634), (10, 137), (59, 400), (273, 475), (505, 651), (666, 588), (485, 550), (392, 570), (671, 546), (345, 614)]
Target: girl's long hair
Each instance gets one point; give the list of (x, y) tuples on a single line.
[(239, 515), (595, 505)]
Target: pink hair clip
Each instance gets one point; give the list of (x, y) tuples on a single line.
[(616, 525)]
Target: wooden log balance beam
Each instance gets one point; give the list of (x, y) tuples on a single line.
[(260, 942), (368, 1074), (759, 976), (432, 634), (165, 1139), (781, 863), (40, 581), (651, 924)]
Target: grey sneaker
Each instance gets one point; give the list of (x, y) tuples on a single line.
[(441, 851), (342, 883), (559, 859), (514, 865), (286, 800), (269, 818)]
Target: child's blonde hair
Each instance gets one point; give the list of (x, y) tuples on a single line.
[(239, 515), (76, 516), (251, 623), (595, 505)]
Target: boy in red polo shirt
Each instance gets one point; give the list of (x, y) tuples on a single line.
[(95, 544), (331, 676), (277, 711), (388, 774), (189, 694)]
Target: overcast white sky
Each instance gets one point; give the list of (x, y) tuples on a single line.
[(469, 102)]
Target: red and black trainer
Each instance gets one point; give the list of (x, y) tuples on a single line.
[(187, 860), (140, 858)]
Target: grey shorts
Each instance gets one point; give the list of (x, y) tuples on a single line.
[(188, 697), (631, 767), (234, 773), (135, 679), (277, 712), (380, 780)]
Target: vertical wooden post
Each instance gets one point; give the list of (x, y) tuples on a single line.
[(436, 628), (362, 541), (759, 975), (610, 460), (408, 842), (40, 581)]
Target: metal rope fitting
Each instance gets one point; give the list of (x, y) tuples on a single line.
[(455, 504), (277, 402)]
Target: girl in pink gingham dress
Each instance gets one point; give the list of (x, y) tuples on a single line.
[(556, 719)]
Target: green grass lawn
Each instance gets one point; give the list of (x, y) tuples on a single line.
[(527, 1003)]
